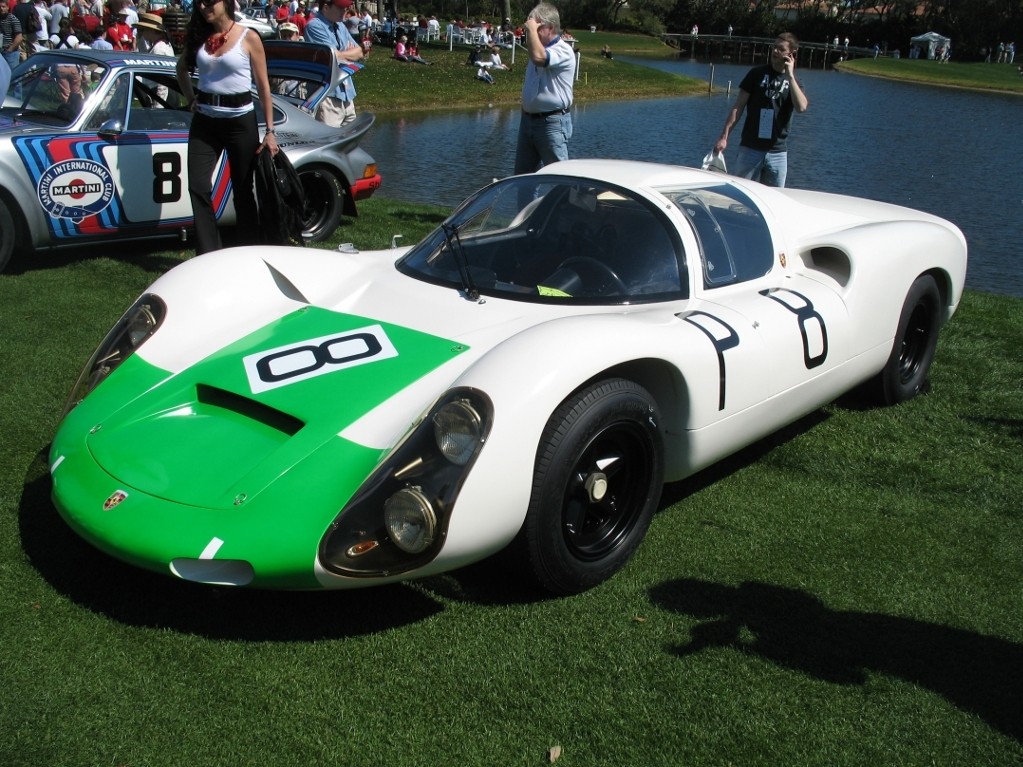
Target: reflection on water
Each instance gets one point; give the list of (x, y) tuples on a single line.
[(952, 153)]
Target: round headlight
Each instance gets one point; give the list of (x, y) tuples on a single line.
[(457, 427), (411, 521)]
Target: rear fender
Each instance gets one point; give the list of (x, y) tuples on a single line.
[(874, 265)]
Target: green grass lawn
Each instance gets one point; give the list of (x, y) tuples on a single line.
[(387, 85), (977, 76), (847, 592)]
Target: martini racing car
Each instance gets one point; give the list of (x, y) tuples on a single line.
[(93, 148), (529, 374)]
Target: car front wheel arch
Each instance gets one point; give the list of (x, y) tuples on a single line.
[(596, 483), (325, 201), (9, 231), (906, 372)]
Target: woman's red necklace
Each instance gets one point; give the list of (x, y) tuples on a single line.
[(215, 42)]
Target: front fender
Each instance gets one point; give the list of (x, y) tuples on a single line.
[(527, 377), (20, 196)]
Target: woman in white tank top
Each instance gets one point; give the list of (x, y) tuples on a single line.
[(229, 58)]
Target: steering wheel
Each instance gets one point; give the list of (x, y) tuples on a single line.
[(599, 268)]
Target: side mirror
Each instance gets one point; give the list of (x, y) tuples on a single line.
[(111, 129)]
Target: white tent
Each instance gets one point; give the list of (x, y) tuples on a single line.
[(930, 42)]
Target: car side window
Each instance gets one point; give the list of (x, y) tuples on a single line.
[(278, 113), (157, 104), (113, 104), (735, 241)]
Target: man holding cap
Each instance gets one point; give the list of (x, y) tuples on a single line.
[(326, 28), (545, 125)]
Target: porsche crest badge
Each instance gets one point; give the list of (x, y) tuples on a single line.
[(114, 500)]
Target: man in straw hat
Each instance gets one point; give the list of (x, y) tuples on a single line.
[(150, 36)]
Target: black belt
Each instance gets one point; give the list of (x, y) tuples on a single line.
[(224, 99), (548, 114)]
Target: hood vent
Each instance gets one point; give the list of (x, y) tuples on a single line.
[(249, 408)]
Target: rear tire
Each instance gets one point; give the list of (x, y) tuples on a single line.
[(598, 476), (906, 373), (324, 198), (7, 236)]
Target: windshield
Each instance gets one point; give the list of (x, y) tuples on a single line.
[(51, 90), (555, 239)]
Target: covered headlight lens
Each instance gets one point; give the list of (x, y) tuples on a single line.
[(458, 428), (410, 520), (131, 331), (399, 519)]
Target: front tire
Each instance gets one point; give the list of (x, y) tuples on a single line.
[(324, 203), (7, 236), (906, 373), (598, 476)]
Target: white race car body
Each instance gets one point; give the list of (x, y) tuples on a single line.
[(720, 345)]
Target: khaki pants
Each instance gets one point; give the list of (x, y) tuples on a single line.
[(335, 112)]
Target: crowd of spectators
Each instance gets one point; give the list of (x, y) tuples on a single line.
[(33, 25), (44, 24), (111, 24)]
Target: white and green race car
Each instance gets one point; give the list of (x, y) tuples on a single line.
[(530, 374)]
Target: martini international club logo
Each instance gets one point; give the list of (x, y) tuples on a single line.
[(75, 189)]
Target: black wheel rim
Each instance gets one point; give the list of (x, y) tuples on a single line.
[(318, 194), (621, 455), (914, 342)]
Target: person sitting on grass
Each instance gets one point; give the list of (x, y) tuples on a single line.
[(401, 48), (483, 73), (495, 59), (412, 54)]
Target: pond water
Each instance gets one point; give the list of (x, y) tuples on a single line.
[(949, 152)]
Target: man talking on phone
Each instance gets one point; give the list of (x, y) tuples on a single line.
[(769, 94)]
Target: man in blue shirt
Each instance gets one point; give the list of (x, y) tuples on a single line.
[(326, 28), (545, 125)]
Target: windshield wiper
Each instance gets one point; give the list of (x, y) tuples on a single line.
[(22, 113), (458, 253)]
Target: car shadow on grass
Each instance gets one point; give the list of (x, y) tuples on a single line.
[(979, 674), (157, 255), (499, 581), (154, 256), (138, 597)]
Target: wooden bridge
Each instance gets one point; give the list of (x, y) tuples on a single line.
[(754, 50)]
